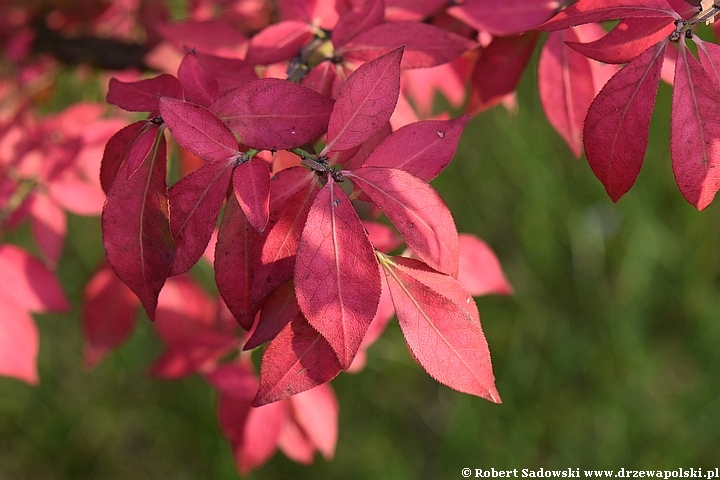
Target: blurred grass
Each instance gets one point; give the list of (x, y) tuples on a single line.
[(607, 356)]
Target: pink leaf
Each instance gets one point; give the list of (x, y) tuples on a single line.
[(198, 85), (366, 101), (29, 283), (627, 40), (362, 17), (504, 17), (274, 114), (136, 228), (316, 411), (421, 148), (295, 444), (594, 11), (498, 70), (198, 130), (278, 309), (278, 42), (142, 96), (233, 263), (337, 281), (566, 86), (616, 126), (695, 131), (196, 355), (480, 271), (297, 359), (444, 337), (416, 210), (382, 237), (251, 184), (109, 315), (709, 54), (216, 37), (19, 342), (229, 72), (195, 203), (49, 227), (425, 45)]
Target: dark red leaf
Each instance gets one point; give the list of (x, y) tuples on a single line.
[(421, 148), (278, 309), (136, 228), (198, 130), (416, 210), (695, 131), (215, 37), (117, 151), (274, 114), (337, 281), (298, 359), (198, 85), (195, 203), (142, 96), (251, 184), (617, 122), (366, 101), (141, 149)]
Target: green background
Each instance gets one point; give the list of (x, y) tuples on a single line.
[(607, 356)]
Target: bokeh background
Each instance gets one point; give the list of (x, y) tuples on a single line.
[(607, 355)]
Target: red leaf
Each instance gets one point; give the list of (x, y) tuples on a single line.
[(416, 210), (617, 122), (425, 45), (142, 96), (274, 114), (480, 271), (366, 101), (337, 281), (229, 72), (136, 228), (297, 359), (593, 11), (198, 85), (695, 131), (421, 148), (498, 70), (117, 150), (233, 263), (278, 42), (109, 315), (49, 227), (198, 130), (627, 40), (195, 203), (504, 17), (29, 283), (216, 37), (316, 411), (141, 149), (566, 86), (444, 337), (19, 342), (278, 309), (251, 184), (362, 17)]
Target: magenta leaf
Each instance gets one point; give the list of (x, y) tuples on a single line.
[(251, 184), (503, 17), (695, 131), (109, 315), (627, 40), (444, 337), (198, 130), (234, 262), (19, 342), (416, 210), (337, 281), (136, 228), (195, 203), (425, 45), (29, 283), (592, 11), (566, 86), (117, 150), (141, 148), (362, 17), (421, 148), (298, 359), (198, 85), (617, 122), (278, 309), (278, 42), (274, 114), (709, 54), (142, 96), (366, 101)]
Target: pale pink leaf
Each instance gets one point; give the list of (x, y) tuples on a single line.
[(504, 17), (366, 101), (480, 270), (19, 342), (616, 126), (316, 411), (337, 281), (416, 210), (251, 184)]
